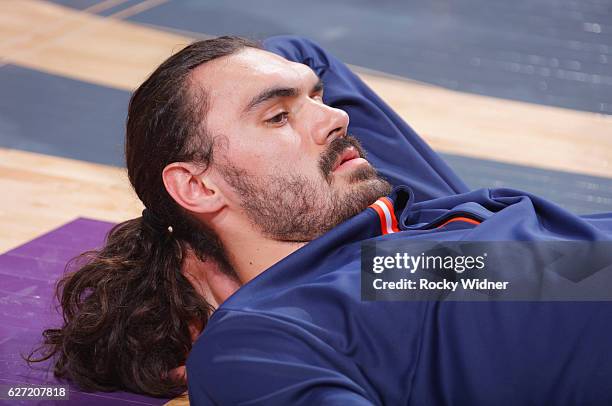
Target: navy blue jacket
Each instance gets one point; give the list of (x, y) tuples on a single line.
[(299, 333)]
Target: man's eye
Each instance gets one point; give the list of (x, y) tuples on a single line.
[(280, 118), (318, 97)]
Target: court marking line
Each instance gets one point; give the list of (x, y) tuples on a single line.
[(137, 8), (103, 5)]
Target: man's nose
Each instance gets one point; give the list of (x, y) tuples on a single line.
[(331, 123)]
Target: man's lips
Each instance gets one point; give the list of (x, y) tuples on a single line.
[(348, 154)]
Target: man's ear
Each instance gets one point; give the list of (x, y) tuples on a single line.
[(191, 188)]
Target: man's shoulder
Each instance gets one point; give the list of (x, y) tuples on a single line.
[(236, 339), (231, 328), (264, 358)]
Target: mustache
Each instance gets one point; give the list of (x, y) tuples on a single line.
[(335, 149)]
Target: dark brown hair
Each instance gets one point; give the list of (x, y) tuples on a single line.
[(128, 307)]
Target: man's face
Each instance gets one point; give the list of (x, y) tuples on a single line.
[(281, 155)]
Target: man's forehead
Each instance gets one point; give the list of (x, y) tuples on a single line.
[(241, 75)]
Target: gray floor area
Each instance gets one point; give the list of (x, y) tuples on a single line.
[(578, 193), (68, 118), (59, 116), (553, 52)]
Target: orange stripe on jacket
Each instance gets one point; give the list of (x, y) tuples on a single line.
[(464, 219), (381, 217), (388, 222), (389, 205)]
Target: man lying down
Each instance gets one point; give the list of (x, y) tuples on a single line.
[(258, 194)]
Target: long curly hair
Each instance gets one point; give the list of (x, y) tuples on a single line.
[(127, 308)]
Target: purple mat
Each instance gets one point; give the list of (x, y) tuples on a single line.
[(27, 280)]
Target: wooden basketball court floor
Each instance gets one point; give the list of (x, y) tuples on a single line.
[(47, 50)]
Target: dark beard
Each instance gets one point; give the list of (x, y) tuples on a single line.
[(293, 209)]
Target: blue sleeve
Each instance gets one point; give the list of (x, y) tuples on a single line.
[(399, 154), (255, 359)]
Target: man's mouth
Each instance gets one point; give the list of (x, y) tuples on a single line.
[(342, 154), (345, 157)]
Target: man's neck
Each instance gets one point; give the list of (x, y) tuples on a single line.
[(250, 253)]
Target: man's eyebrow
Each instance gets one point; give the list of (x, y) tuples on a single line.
[(276, 92)]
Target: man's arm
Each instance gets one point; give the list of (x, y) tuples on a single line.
[(399, 154), (255, 359)]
